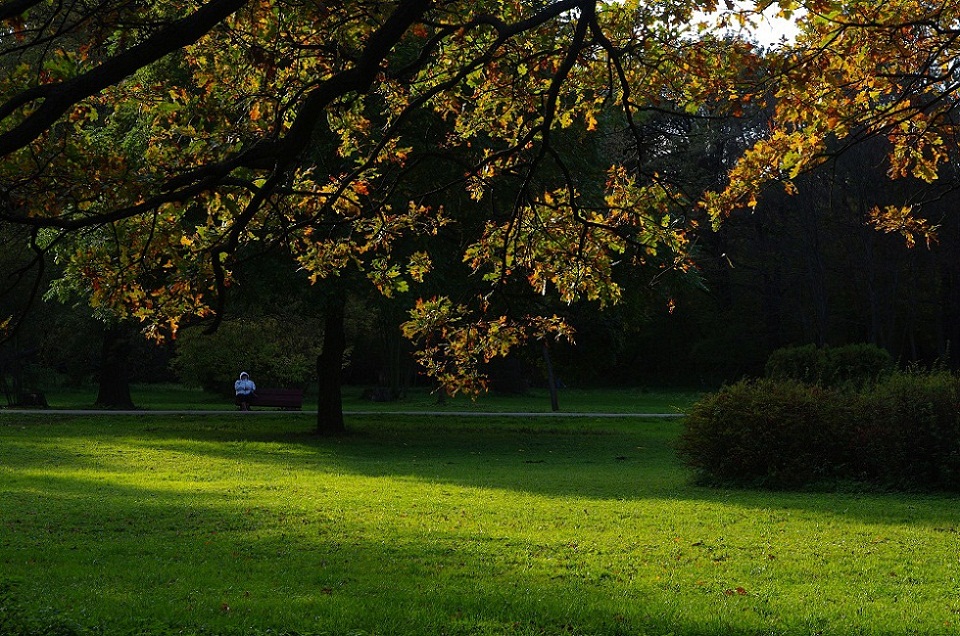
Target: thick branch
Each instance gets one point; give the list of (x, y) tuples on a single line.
[(14, 8), (60, 97), (357, 79)]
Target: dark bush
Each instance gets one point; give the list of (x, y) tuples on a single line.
[(800, 364), (275, 352), (908, 432), (902, 432), (765, 432), (855, 366), (850, 366)]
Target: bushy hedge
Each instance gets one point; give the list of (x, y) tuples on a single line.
[(278, 353), (764, 432), (908, 432), (902, 432), (850, 366)]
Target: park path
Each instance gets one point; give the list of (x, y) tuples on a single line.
[(346, 413)]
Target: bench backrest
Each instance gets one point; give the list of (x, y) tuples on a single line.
[(279, 397)]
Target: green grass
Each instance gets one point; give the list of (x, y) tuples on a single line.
[(535, 401), (417, 525), (145, 396), (162, 397)]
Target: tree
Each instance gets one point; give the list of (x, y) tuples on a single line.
[(162, 138), (861, 70)]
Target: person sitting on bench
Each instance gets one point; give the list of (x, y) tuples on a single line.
[(244, 388)]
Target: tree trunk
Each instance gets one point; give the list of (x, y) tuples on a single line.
[(329, 371), (391, 377), (949, 345), (114, 392), (551, 379), (771, 302)]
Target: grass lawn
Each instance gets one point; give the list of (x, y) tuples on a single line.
[(162, 397), (136, 525)]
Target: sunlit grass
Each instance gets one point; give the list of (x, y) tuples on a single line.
[(179, 525)]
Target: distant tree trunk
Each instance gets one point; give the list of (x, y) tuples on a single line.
[(723, 284), (949, 349), (114, 392), (771, 302), (949, 346), (817, 303), (329, 371), (551, 380), (392, 376)]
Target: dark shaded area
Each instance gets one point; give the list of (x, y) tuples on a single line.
[(114, 392)]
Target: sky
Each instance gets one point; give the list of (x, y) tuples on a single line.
[(771, 29)]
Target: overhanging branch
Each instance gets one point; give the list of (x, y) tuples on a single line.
[(59, 98)]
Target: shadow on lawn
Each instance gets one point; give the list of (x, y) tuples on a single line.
[(212, 546), (606, 460), (215, 567)]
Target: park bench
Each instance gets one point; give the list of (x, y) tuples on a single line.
[(283, 398)]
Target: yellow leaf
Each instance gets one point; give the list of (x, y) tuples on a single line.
[(591, 122)]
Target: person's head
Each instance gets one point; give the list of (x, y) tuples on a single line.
[(244, 375)]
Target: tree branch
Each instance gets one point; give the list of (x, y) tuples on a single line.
[(14, 8), (58, 98)]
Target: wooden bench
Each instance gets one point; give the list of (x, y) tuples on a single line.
[(283, 398)]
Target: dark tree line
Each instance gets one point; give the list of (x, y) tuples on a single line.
[(803, 268)]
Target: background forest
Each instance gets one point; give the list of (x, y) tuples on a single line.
[(802, 268)]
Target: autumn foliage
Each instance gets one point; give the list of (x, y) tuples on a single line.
[(148, 147)]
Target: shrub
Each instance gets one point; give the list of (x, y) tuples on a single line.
[(275, 352), (851, 366), (856, 365), (908, 434), (902, 432), (766, 432), (800, 364)]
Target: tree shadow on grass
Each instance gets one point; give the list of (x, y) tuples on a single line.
[(157, 561), (603, 460), (103, 557), (212, 541)]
